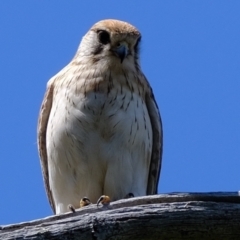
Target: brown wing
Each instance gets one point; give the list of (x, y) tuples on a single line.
[(42, 130), (156, 159)]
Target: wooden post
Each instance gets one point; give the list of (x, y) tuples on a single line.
[(164, 216)]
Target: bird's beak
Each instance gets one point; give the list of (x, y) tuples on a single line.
[(121, 50)]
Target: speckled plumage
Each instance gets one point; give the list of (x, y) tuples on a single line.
[(99, 129)]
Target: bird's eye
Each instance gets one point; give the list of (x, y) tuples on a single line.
[(103, 37)]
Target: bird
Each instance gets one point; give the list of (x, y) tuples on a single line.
[(99, 127)]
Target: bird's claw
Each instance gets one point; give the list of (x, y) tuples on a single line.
[(84, 202), (129, 195), (104, 200), (71, 208)]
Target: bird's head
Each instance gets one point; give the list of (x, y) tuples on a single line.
[(111, 42)]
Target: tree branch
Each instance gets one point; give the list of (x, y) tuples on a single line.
[(164, 216)]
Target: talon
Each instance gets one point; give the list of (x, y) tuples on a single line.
[(104, 200), (71, 208), (84, 202), (129, 195)]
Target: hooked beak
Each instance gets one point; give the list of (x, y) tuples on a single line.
[(121, 51)]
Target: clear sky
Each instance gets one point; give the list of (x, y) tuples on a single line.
[(191, 55)]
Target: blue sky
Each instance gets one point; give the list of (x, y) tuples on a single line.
[(191, 56)]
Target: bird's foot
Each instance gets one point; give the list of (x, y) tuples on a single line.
[(104, 200), (84, 202), (129, 195), (71, 208)]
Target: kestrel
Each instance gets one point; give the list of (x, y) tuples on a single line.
[(99, 129)]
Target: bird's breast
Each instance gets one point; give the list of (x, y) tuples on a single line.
[(95, 120)]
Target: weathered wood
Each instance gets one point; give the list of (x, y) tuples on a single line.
[(164, 216)]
